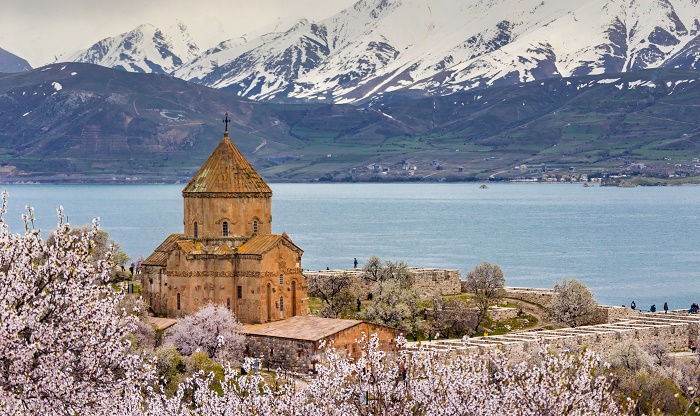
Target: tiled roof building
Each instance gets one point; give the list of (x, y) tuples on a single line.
[(227, 253)]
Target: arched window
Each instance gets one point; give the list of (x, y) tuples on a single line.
[(178, 300), (281, 279), (224, 229), (228, 303), (255, 226), (281, 304), (196, 229)]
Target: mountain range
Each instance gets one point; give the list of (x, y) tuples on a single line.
[(382, 90), (83, 122), (377, 49)]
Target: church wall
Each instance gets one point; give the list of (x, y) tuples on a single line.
[(151, 288), (239, 212), (284, 261), (250, 306), (198, 281)]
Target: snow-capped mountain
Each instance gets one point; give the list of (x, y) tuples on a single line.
[(10, 62), (443, 46), (428, 47), (143, 49)]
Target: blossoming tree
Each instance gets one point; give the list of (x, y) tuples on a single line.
[(62, 337)]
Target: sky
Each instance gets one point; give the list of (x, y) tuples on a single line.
[(41, 30)]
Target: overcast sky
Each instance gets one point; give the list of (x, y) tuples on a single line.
[(39, 30)]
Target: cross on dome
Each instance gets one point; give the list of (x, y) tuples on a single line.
[(226, 121)]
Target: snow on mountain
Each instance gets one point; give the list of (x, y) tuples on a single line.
[(442, 46), (143, 49), (420, 47)]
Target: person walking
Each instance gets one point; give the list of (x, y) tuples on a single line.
[(665, 307)]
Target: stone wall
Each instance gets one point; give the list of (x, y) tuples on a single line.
[(497, 313), (301, 355), (290, 354), (429, 282), (538, 296), (674, 329)]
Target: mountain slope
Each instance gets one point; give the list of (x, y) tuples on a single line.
[(143, 49), (10, 62), (83, 122), (443, 46)]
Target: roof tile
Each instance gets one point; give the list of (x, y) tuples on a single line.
[(227, 171), (310, 328)]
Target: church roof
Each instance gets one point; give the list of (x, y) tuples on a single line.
[(308, 328), (262, 243), (227, 172), (159, 257)]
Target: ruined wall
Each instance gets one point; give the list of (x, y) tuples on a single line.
[(429, 282), (498, 313), (675, 330), (541, 297)]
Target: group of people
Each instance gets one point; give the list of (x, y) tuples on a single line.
[(652, 308), (694, 307)]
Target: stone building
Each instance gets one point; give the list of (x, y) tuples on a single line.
[(295, 344), (227, 254)]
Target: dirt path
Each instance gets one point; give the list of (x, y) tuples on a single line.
[(532, 309)]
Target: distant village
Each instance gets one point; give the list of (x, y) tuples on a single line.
[(406, 170)]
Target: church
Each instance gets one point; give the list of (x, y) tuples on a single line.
[(227, 253)]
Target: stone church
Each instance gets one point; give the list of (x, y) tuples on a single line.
[(227, 253)]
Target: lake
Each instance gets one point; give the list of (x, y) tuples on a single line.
[(623, 243)]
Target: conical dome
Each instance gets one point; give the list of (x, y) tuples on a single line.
[(226, 172)]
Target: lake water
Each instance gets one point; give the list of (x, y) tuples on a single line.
[(623, 243)]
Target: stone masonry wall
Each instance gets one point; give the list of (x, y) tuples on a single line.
[(295, 355), (429, 282), (301, 355), (539, 296), (675, 329)]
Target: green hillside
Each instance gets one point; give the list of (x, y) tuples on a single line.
[(80, 122)]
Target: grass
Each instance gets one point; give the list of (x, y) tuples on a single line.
[(510, 325)]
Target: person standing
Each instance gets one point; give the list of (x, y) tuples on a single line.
[(355, 262), (665, 307)]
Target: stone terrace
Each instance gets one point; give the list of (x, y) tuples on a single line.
[(675, 329)]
